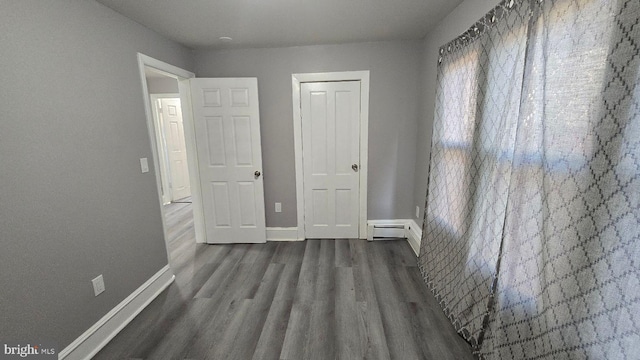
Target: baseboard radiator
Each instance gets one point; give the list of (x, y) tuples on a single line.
[(385, 231), (395, 229)]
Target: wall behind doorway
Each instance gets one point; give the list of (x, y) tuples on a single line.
[(162, 85), (393, 112)]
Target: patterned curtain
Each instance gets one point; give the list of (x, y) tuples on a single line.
[(531, 235)]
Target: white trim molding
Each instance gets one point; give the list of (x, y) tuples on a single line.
[(296, 80), (97, 336), (283, 234), (184, 86), (414, 235), (183, 77)]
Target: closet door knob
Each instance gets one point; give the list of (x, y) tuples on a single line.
[(354, 167), (257, 173)]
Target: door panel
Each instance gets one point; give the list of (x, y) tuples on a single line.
[(242, 140), (344, 138), (319, 124), (221, 204), (176, 149), (227, 128), (215, 141), (330, 142), (247, 197), (343, 208)]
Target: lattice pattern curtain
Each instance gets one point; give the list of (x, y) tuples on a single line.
[(531, 236)]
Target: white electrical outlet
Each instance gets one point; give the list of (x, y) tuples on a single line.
[(417, 212), (278, 207), (98, 285)]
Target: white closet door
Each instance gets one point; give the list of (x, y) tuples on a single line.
[(331, 141)]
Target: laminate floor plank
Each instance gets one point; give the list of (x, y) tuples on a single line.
[(298, 327), (288, 285), (226, 331), (320, 340), (173, 344), (269, 345), (395, 315), (297, 331), (321, 337), (307, 280), (346, 315), (289, 252), (395, 255), (245, 342), (361, 272), (371, 330), (210, 335), (343, 253), (193, 278), (430, 345), (273, 332), (161, 317), (404, 284), (325, 288), (315, 299), (225, 273)]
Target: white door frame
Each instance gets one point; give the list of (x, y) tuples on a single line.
[(167, 194), (183, 77), (296, 80)]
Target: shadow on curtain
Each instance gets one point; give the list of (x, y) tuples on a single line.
[(531, 235)]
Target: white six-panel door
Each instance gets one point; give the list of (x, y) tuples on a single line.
[(330, 142), (227, 130), (176, 149)]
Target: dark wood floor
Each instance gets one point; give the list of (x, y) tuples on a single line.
[(317, 299)]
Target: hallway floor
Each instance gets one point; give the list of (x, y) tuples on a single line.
[(317, 299)]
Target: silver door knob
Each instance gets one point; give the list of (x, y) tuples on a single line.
[(257, 173), (354, 167)]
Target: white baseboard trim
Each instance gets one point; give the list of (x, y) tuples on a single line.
[(98, 335), (283, 234), (414, 235), (387, 229)]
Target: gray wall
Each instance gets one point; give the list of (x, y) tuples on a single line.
[(393, 112), (158, 85), (457, 22), (74, 203)]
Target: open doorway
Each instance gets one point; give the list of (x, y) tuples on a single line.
[(221, 115), (171, 152), (166, 96), (170, 141)]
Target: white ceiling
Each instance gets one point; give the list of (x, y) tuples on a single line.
[(274, 23)]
